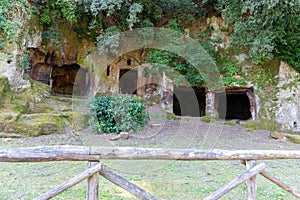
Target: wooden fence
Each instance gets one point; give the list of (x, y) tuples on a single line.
[(95, 154)]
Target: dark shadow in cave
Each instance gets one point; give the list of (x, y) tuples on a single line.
[(128, 81), (234, 103), (189, 101), (69, 80)]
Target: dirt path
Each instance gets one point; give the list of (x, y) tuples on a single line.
[(187, 132)]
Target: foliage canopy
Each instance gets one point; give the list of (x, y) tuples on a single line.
[(268, 28)]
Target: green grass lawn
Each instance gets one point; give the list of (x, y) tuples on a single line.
[(163, 179)]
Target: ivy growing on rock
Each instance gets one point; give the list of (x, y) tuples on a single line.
[(268, 28), (51, 11), (12, 14)]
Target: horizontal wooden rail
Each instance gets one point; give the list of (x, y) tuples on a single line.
[(81, 153)]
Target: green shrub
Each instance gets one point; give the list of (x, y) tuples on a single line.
[(116, 114)]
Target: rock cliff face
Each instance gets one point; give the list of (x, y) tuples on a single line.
[(69, 66), (288, 112), (27, 104)]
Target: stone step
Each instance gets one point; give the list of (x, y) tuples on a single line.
[(41, 123)]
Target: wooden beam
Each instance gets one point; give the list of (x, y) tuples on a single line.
[(251, 182), (92, 184), (80, 153), (128, 186), (277, 182), (47, 153), (66, 185), (235, 182), (129, 153), (280, 184)]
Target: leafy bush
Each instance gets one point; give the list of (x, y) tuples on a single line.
[(51, 11), (232, 73), (116, 114), (267, 27)]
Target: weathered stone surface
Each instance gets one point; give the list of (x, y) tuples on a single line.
[(124, 135), (288, 113), (9, 135), (277, 135), (7, 118), (121, 135), (78, 121), (41, 123), (32, 111), (41, 72), (35, 124)]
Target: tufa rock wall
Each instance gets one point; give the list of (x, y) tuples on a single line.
[(288, 112)]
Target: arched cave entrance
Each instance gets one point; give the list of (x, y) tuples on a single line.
[(65, 80), (189, 101), (69, 80), (235, 103)]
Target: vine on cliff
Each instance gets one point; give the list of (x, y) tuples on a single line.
[(268, 28), (12, 14)]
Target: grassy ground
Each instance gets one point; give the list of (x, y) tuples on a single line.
[(173, 180), (163, 179)]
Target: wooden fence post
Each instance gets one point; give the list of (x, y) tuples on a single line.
[(92, 184), (251, 182)]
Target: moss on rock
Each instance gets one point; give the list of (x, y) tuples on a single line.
[(4, 90), (77, 120), (34, 124), (251, 125), (293, 137), (6, 119), (208, 119)]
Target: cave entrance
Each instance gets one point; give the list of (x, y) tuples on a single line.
[(236, 103), (41, 72), (189, 101), (128, 81), (69, 80)]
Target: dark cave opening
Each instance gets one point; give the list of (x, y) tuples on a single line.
[(69, 80), (128, 81), (189, 101), (234, 104)]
